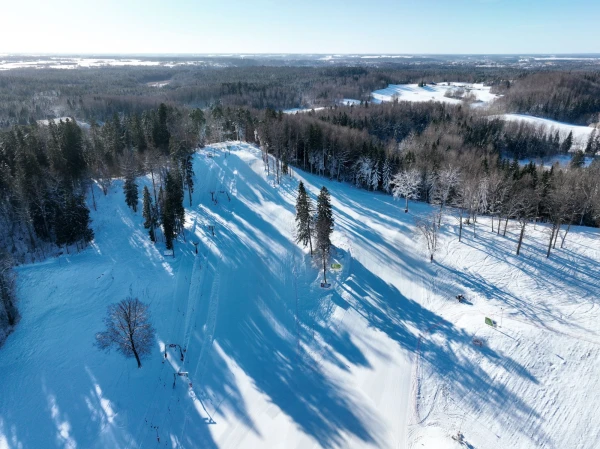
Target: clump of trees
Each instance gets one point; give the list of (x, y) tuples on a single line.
[(128, 330), (315, 225)]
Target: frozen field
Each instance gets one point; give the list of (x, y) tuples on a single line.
[(383, 359), (437, 92)]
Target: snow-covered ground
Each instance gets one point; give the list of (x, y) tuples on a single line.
[(385, 358), (581, 134), (296, 110), (80, 123), (562, 159), (437, 92)]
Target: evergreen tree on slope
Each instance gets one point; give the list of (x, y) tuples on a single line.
[(304, 220), (148, 214), (324, 228)]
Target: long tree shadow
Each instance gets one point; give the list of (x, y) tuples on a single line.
[(255, 328), (405, 320)]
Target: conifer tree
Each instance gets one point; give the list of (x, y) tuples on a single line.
[(304, 220), (130, 188), (567, 143), (189, 177), (324, 228), (175, 197), (149, 214), (168, 212)]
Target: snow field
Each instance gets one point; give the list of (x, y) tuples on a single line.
[(384, 358), (436, 92)]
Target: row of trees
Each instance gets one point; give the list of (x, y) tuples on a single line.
[(561, 197)]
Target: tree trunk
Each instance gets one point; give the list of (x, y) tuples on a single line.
[(93, 196), (324, 270), (406, 208), (551, 239), (153, 186), (556, 235), (460, 220), (564, 237), (521, 238), (505, 226), (135, 353)]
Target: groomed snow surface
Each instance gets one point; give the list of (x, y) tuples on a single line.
[(384, 358)]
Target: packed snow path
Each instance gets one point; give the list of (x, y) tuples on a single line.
[(382, 359)]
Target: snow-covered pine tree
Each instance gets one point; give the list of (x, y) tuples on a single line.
[(149, 214), (324, 228), (304, 218)]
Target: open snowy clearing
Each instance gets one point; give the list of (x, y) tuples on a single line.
[(80, 123), (296, 110), (562, 159), (385, 358), (436, 92)]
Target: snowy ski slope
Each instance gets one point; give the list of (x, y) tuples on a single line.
[(382, 359)]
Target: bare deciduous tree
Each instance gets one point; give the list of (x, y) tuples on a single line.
[(128, 329), (447, 180), (429, 228)]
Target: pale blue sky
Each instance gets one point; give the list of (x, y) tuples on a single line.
[(300, 26)]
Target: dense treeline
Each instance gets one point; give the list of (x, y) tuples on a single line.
[(48, 174), (443, 155), (572, 97), (96, 94)]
